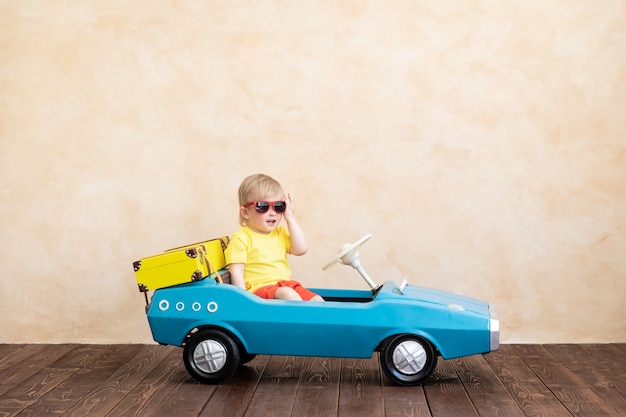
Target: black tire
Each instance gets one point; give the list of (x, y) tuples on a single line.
[(408, 359), (211, 356)]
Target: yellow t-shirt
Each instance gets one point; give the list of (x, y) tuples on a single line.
[(264, 256)]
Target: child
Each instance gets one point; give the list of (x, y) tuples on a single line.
[(257, 253)]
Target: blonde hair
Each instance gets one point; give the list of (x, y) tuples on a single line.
[(257, 186)]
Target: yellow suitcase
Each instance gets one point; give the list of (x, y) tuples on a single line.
[(180, 265)]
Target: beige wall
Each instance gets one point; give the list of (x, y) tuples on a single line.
[(481, 142)]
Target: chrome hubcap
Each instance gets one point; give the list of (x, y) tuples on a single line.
[(409, 357), (210, 356)]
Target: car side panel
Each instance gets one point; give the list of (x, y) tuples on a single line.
[(335, 329), (267, 326)]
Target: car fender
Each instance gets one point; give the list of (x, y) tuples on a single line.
[(411, 331), (230, 330)]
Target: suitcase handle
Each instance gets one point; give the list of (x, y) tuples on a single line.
[(210, 266)]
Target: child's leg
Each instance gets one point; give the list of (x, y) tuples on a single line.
[(304, 293), (287, 293), (287, 290), (317, 298)]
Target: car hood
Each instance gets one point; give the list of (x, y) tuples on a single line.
[(453, 301)]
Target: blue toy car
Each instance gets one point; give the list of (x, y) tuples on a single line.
[(222, 326)]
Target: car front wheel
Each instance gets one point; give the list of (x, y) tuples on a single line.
[(408, 359), (211, 356)]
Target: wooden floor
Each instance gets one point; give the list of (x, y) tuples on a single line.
[(150, 380)]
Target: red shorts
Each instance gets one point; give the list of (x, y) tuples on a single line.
[(269, 291)]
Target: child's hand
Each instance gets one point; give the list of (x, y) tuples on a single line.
[(289, 211), (298, 240)]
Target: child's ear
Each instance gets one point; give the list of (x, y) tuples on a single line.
[(244, 212)]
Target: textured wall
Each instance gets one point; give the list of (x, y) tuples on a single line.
[(481, 142)]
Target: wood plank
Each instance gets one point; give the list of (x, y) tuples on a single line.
[(91, 360), (28, 361), (600, 373), (150, 380), (187, 399), (8, 353), (611, 353), (232, 398), (27, 392), (445, 393), (531, 395), (112, 390), (145, 399), (484, 388), (361, 391), (621, 347), (404, 401), (318, 387), (566, 386), (276, 391), (8, 348)]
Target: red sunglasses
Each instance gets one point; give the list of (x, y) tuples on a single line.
[(264, 206)]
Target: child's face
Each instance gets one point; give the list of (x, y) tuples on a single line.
[(263, 222)]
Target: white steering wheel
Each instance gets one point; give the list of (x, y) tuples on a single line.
[(347, 252), (349, 255)]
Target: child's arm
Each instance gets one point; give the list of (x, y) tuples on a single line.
[(298, 240), (236, 275)]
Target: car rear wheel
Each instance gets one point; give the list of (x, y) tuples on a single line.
[(211, 356), (408, 359)]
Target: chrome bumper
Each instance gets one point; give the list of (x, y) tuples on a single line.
[(494, 328)]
